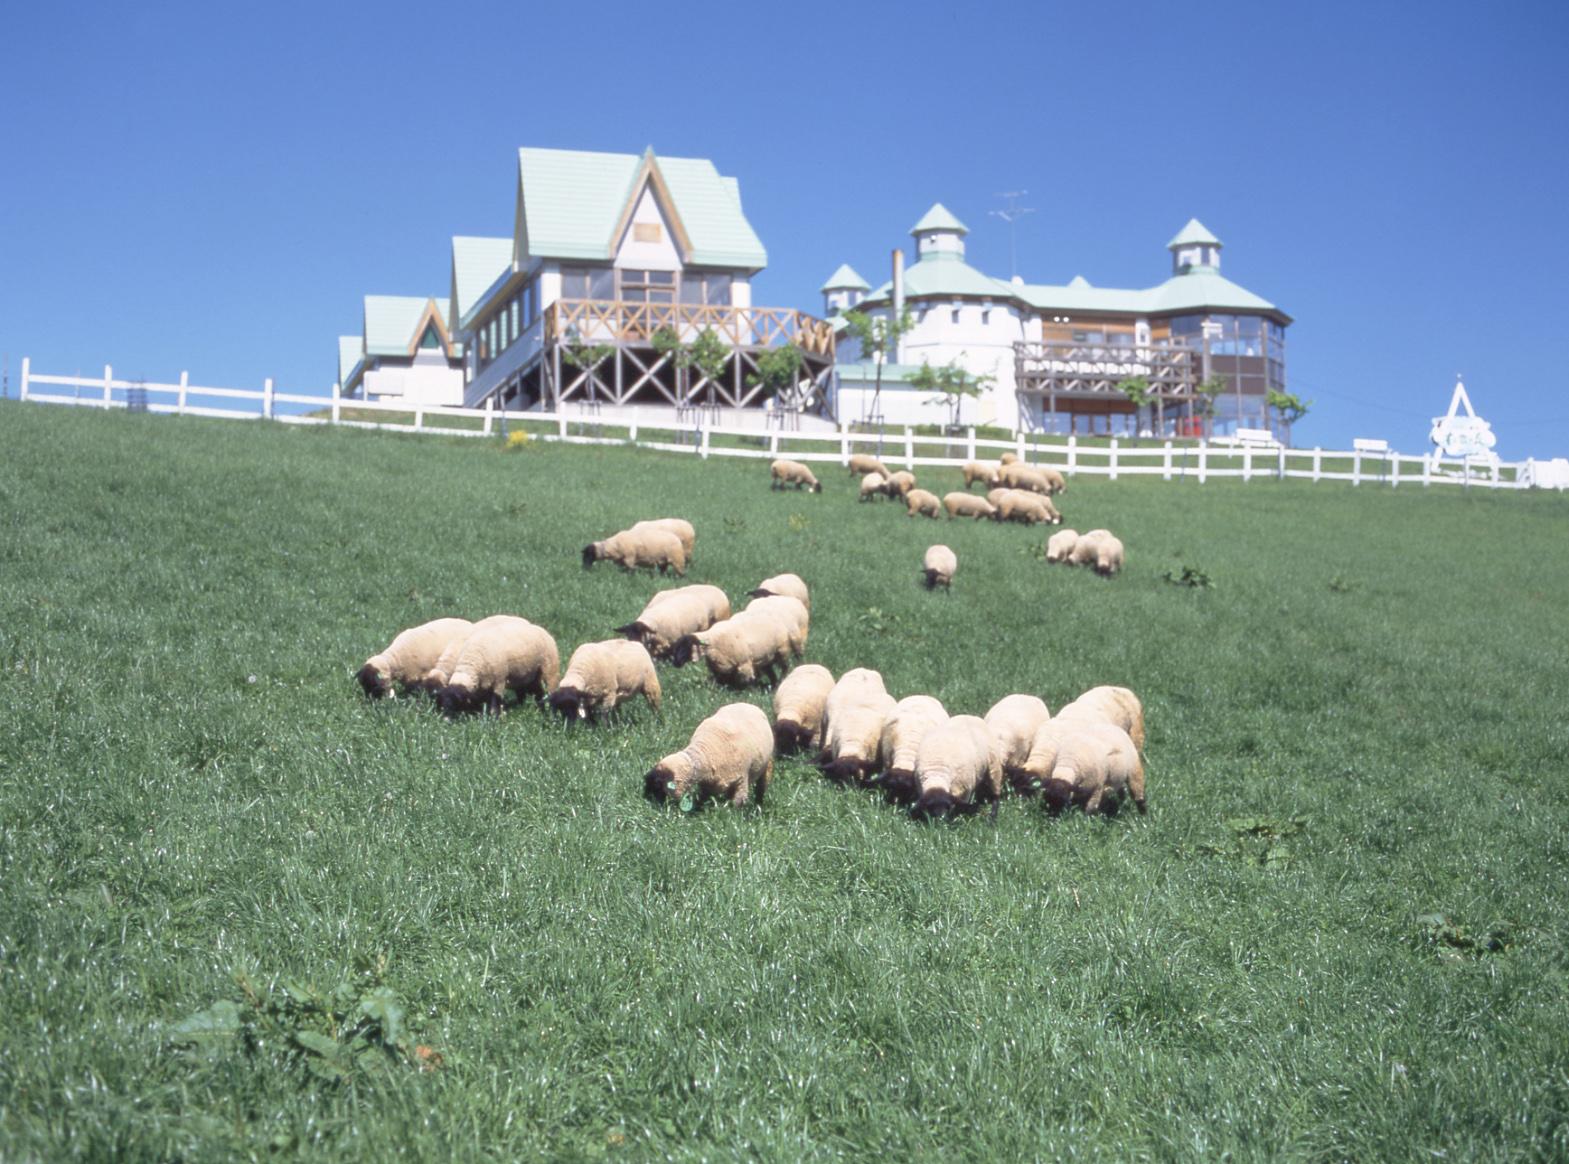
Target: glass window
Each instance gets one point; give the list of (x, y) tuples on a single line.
[(431, 340), (716, 290), (986, 316), (648, 286), (491, 331), (517, 310), (954, 315)]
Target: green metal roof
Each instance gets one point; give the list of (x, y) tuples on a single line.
[(865, 372), (572, 200), (946, 275), (845, 279), (1194, 232), (476, 264), (390, 321), (1192, 291), (939, 218), (350, 354)]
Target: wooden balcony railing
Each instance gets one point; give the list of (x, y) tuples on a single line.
[(612, 321)]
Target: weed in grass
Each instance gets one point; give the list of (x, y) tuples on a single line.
[(1437, 932), (1190, 576)]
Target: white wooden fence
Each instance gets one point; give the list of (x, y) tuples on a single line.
[(1201, 461)]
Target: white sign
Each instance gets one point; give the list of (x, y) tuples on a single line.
[(1462, 436)]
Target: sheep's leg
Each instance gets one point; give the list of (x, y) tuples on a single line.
[(763, 781), (740, 796), (1092, 805), (493, 703), (1136, 786)]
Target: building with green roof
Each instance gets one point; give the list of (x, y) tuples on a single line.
[(405, 352), (615, 261), (1053, 355)]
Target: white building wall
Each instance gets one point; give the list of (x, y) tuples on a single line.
[(427, 379)]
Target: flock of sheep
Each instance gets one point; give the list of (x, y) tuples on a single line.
[(921, 757), (1015, 492)]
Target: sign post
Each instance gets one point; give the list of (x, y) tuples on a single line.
[(1466, 436)]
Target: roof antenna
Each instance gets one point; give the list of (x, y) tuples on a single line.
[(1011, 215)]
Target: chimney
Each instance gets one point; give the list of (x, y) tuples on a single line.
[(898, 301)]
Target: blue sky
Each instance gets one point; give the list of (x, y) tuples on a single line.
[(214, 188)]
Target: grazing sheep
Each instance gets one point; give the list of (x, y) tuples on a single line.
[(1013, 721), (1008, 459), (919, 501), (1021, 476), (799, 703), (670, 614), (977, 471), (502, 652), (602, 676), (864, 463), (1115, 705), (939, 566), (913, 716), (967, 505), (853, 718), (1059, 547), (740, 650), (789, 612), (1054, 478), (1029, 508), (957, 768), (873, 485), (676, 525), (899, 484), (786, 473), (1028, 776), (791, 585), (654, 549), (1099, 548), (441, 670), (410, 656), (731, 754), (1096, 765)]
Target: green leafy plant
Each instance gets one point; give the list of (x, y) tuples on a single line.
[(778, 372), (1453, 941), (334, 1034), (951, 385), (1190, 576), (584, 356), (1258, 840), (878, 338)]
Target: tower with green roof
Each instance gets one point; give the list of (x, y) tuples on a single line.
[(1194, 250), (843, 291)]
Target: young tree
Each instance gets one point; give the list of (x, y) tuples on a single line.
[(1288, 406), (951, 385), (778, 372), (1204, 394), (878, 338), (1138, 390), (709, 355), (586, 357)]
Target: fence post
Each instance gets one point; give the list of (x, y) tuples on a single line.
[(1280, 473), (1356, 468), (844, 443), (1018, 445), (703, 451), (1073, 452), (1318, 461), (1112, 460), (773, 444), (185, 384), (108, 385), (1427, 471), (1166, 464), (1394, 469), (267, 397), (632, 428), (27, 371), (1203, 461), (419, 417), (971, 445), (490, 411), (909, 449), (561, 423)]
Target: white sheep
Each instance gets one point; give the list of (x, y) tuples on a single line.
[(739, 651), (406, 660), (787, 584), (1013, 721), (899, 484), (1100, 549), (654, 549), (977, 471), (1109, 704), (919, 501), (873, 485), (853, 718), (502, 653), (790, 612), (799, 703), (730, 755), (671, 614), (967, 505), (1018, 475), (1095, 766), (1008, 459), (601, 676), (913, 716), (784, 473), (864, 463), (675, 525), (1023, 506), (1059, 547), (938, 567), (957, 768)]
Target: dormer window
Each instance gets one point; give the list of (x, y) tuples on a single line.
[(646, 232)]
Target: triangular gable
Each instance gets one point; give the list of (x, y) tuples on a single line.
[(431, 317), (648, 174)]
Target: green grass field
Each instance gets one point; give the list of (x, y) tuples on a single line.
[(1360, 725)]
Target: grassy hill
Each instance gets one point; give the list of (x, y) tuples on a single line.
[(1340, 932)]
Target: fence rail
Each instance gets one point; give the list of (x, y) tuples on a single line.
[(905, 448)]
